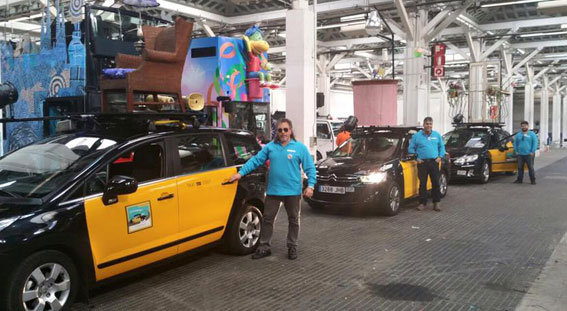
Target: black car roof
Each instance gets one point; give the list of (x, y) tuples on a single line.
[(369, 130)]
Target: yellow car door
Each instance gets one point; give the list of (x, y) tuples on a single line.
[(204, 202), (502, 154), (140, 227)]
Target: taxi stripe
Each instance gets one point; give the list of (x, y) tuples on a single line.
[(158, 248)]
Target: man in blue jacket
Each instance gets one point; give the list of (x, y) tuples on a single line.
[(285, 184), (429, 147), (525, 146)]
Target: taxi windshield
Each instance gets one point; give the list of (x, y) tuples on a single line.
[(40, 168), (374, 147), (465, 139)]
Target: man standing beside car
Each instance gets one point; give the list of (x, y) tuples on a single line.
[(287, 156), (429, 147), (525, 145)]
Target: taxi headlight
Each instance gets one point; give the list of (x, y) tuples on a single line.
[(6, 222), (373, 178), (466, 159)]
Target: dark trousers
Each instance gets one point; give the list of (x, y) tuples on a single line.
[(523, 160), (272, 204), (428, 168)]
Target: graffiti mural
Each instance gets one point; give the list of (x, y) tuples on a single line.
[(56, 70)]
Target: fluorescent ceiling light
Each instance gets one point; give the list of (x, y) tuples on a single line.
[(281, 34), (555, 55), (509, 3), (539, 34), (341, 25), (353, 17)]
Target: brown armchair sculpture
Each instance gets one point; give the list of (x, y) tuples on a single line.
[(158, 70)]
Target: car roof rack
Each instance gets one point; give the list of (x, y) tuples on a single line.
[(479, 124), (362, 130), (131, 122)]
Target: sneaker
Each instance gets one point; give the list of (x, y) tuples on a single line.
[(517, 181), (292, 253), (533, 182), (437, 207), (261, 253), (421, 207)]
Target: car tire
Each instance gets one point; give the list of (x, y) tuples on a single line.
[(485, 173), (34, 276), (443, 183), (243, 233), (390, 205)]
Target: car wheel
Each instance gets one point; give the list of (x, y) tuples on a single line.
[(485, 173), (46, 280), (443, 184), (243, 234), (390, 204)]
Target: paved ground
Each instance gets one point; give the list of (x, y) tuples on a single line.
[(483, 252)]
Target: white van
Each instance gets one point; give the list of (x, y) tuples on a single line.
[(327, 131)]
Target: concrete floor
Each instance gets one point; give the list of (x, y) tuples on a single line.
[(484, 251)]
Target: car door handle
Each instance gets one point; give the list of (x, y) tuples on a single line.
[(166, 197), (228, 183)]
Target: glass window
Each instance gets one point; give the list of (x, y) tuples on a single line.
[(199, 153), (323, 131), (241, 147), (38, 169), (375, 148), (144, 163), (466, 139)]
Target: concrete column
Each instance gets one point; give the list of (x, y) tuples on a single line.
[(416, 76), (564, 128), (324, 85), (529, 104), (300, 66), (477, 83), (544, 112), (556, 118)]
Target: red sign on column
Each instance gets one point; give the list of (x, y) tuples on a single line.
[(438, 60)]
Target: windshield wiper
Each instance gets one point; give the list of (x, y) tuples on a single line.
[(13, 195)]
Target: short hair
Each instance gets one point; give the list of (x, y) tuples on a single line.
[(524, 122), (427, 119)]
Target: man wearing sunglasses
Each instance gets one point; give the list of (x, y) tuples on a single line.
[(525, 145), (287, 156)]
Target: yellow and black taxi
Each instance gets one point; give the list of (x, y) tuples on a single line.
[(374, 170), (478, 150), (79, 208)]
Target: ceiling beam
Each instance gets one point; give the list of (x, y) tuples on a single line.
[(536, 22), (335, 60), (493, 48), (525, 60), (539, 44), (447, 21), (436, 20), (408, 26), (457, 50)]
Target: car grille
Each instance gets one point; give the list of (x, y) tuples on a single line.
[(338, 179)]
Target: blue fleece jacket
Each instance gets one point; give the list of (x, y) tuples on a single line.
[(525, 144), (284, 177), (427, 146)]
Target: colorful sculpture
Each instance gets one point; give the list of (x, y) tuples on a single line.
[(256, 46)]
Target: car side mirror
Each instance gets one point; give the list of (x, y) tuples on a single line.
[(118, 185), (409, 157), (503, 147)]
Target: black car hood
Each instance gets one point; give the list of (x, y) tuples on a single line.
[(343, 166), (10, 207), (459, 152)]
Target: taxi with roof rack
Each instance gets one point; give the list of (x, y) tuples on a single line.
[(372, 170), (118, 193)]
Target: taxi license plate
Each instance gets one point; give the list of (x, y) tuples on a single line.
[(332, 189), (461, 172)]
